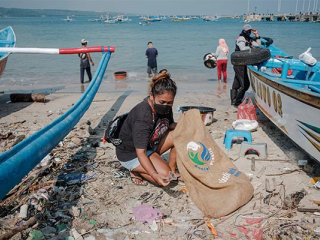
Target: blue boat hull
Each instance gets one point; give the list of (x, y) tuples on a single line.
[(22, 158)]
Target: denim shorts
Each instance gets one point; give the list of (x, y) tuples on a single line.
[(134, 163)]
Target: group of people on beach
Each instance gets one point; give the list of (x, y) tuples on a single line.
[(147, 131)]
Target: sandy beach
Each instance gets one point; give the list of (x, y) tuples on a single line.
[(101, 207)]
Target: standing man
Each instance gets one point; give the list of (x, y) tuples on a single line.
[(84, 62), (151, 54), (241, 81)]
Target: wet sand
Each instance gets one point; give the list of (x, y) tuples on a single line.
[(108, 214)]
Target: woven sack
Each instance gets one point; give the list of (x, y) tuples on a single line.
[(215, 184)]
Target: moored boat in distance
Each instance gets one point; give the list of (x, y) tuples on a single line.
[(68, 19), (121, 19), (7, 39), (287, 91), (209, 18)]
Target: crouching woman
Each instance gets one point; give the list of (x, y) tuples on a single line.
[(146, 134)]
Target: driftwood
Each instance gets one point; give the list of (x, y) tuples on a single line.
[(308, 209), (28, 97), (277, 174), (22, 227)]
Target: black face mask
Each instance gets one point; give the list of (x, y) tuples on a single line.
[(162, 109)]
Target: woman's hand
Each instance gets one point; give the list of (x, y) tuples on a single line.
[(161, 180), (255, 32)]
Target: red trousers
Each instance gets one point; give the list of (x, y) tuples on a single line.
[(222, 67)]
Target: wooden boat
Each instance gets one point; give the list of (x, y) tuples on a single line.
[(17, 162), (7, 39), (287, 91), (177, 19)]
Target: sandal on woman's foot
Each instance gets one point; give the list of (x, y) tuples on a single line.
[(139, 181)]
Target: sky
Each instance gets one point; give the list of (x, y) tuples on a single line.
[(169, 7)]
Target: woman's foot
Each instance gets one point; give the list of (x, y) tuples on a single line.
[(219, 81), (137, 179)]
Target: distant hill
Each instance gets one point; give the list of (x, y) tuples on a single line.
[(19, 12)]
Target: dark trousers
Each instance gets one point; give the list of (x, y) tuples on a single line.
[(241, 82), (88, 70)]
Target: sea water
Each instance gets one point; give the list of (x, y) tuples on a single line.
[(181, 47)]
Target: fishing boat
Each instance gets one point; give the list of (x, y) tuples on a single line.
[(154, 19), (17, 162), (68, 19), (121, 19), (177, 19), (209, 18), (287, 91), (7, 39)]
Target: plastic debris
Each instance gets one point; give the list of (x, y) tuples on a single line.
[(314, 180), (145, 213), (76, 235), (23, 211), (286, 169), (75, 178), (94, 222), (154, 227), (37, 235), (171, 176), (302, 163), (62, 227), (317, 185)]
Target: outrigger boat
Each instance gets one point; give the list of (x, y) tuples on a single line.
[(287, 91), (23, 157), (7, 39)]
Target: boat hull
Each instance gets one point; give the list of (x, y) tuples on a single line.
[(7, 39), (3, 63), (296, 113)]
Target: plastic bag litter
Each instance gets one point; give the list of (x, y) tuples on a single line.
[(145, 213), (307, 58), (245, 124)]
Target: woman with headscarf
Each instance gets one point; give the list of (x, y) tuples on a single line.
[(222, 59)]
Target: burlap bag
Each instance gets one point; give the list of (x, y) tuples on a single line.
[(215, 184)]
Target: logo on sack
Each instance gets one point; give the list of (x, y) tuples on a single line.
[(200, 155), (227, 175)]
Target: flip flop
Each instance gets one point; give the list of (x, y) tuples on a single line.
[(121, 174), (143, 182)]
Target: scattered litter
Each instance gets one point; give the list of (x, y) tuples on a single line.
[(49, 113), (171, 176), (145, 213), (94, 222), (23, 211), (37, 235), (302, 163), (75, 178), (317, 185), (154, 227)]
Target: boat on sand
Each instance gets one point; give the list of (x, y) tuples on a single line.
[(287, 91)]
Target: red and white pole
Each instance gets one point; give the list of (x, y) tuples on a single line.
[(57, 50)]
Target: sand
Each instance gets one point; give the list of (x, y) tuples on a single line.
[(109, 215)]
